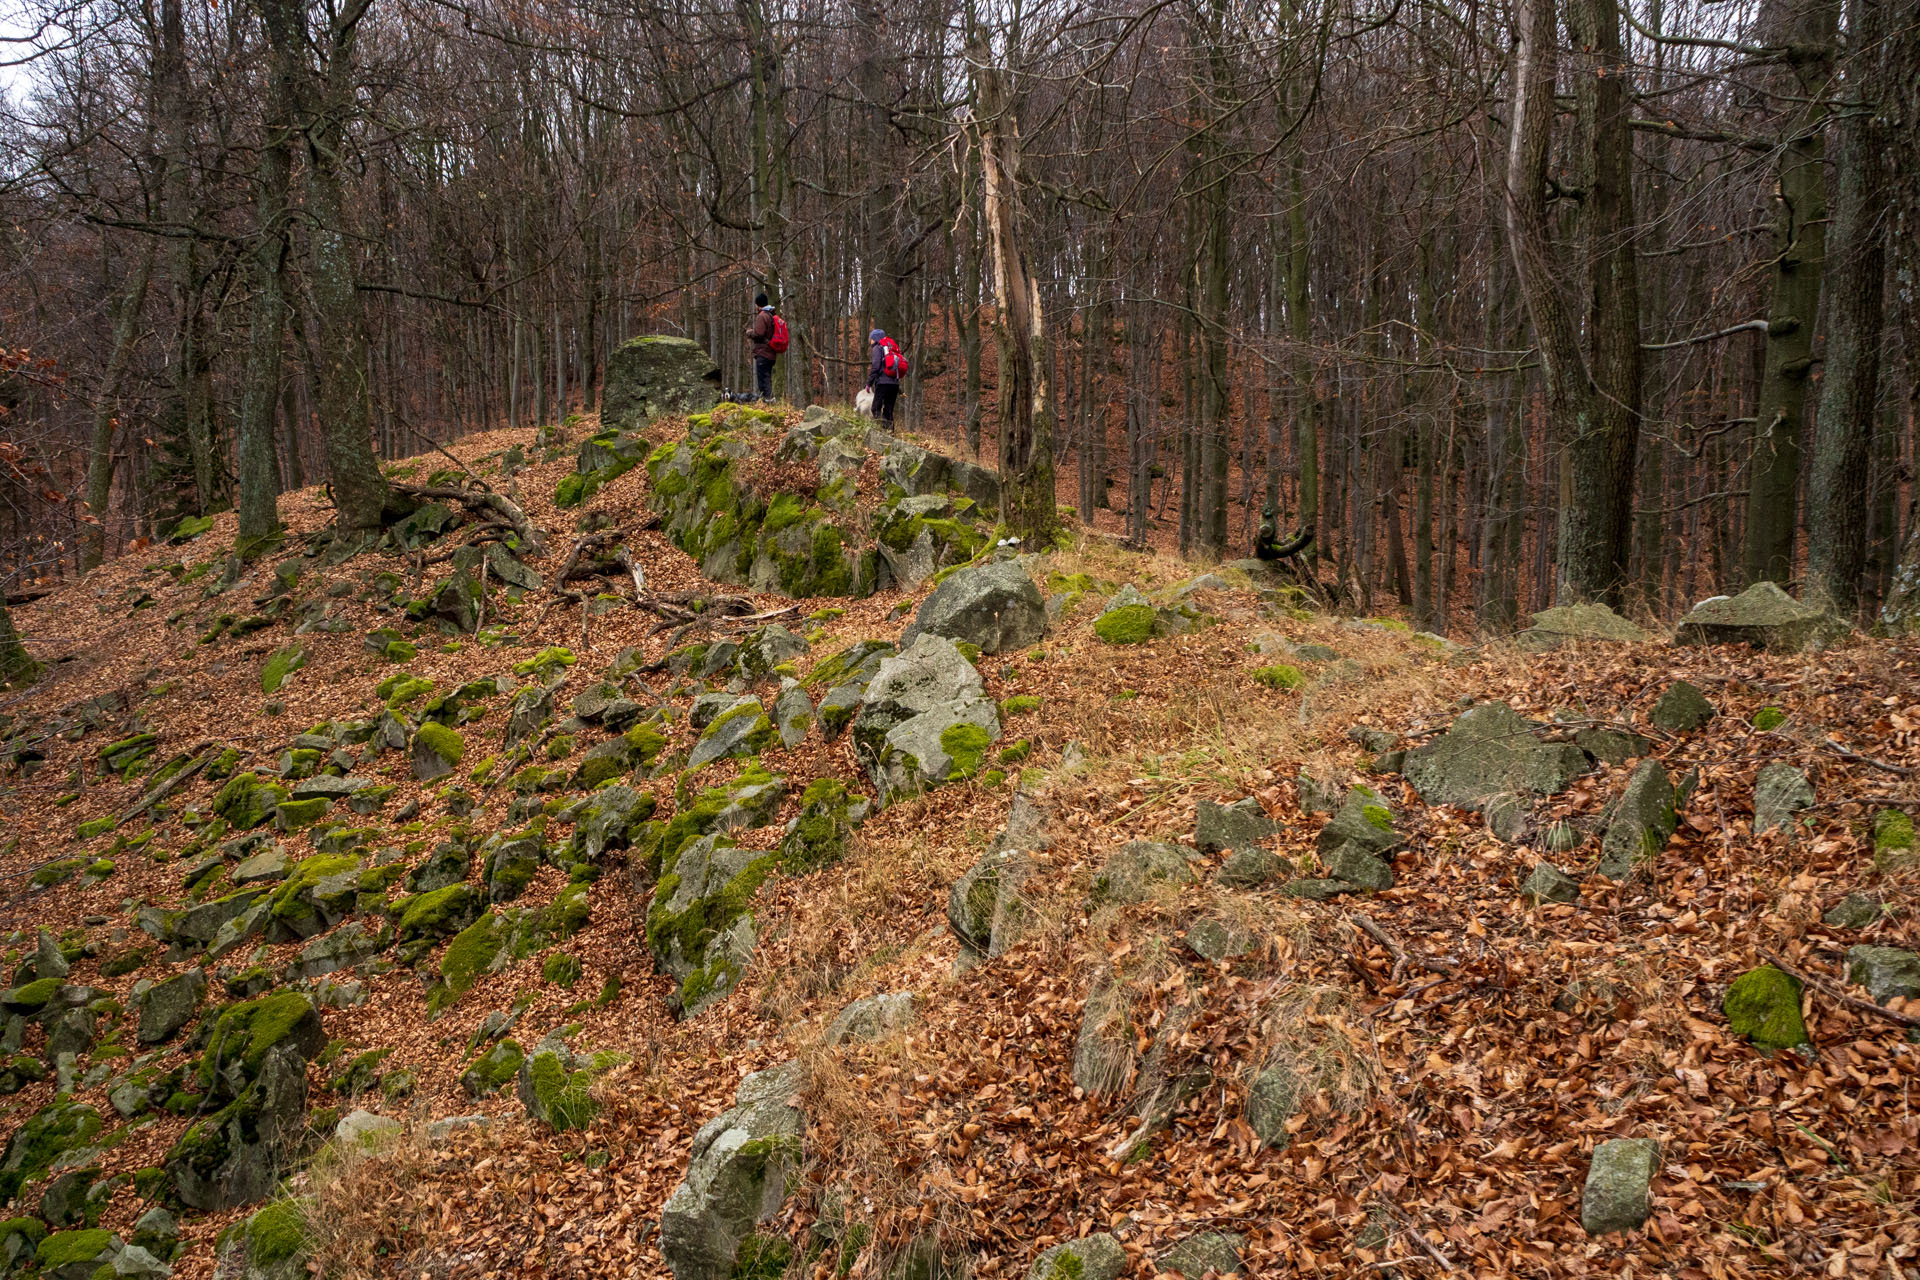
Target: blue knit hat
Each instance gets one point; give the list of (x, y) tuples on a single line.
[(876, 335)]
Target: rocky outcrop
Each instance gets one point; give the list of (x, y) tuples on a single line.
[(925, 720), (737, 1174), (698, 927), (1763, 615)]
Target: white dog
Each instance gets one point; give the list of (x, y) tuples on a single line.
[(863, 402)]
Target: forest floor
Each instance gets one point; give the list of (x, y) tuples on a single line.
[(1468, 1049)]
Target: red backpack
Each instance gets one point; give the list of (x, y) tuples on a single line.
[(893, 361), (778, 342)]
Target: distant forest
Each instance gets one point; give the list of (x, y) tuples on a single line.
[(1508, 303)]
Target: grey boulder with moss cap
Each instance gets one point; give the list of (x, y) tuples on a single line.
[(659, 374), (737, 1173), (1095, 1257), (1762, 615), (1491, 751), (992, 606)]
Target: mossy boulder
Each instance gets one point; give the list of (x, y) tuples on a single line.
[(437, 751), (439, 913), (1763, 1005), (494, 1070), (818, 835), (614, 818), (77, 1255), (1491, 751), (280, 666), (1643, 819), (272, 1244), (744, 729), (946, 743), (245, 1035), (57, 1128), (1894, 847), (1682, 709), (1133, 871), (555, 1087), (738, 1173), (247, 801), (690, 924)]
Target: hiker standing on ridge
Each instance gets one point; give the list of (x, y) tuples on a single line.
[(884, 374), (769, 338)]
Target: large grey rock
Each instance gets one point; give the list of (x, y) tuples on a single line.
[(928, 673), (1762, 615), (767, 648), (871, 1018), (1611, 746), (1642, 820), (267, 865), (1240, 825), (993, 606), (1491, 751), (47, 960), (165, 1007), (1130, 874), (1779, 792), (1618, 1195), (352, 944), (792, 715), (1681, 709), (328, 785), (232, 1157), (1554, 627), (1885, 972), (737, 1174), (654, 375), (945, 743), (1358, 866), (531, 710), (1095, 1257), (69, 1034), (1249, 869), (274, 1244), (612, 819), (743, 729)]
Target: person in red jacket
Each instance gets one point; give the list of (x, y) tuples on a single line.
[(764, 354), (883, 374)]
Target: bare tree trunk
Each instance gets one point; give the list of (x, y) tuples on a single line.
[(1838, 497), (1026, 408), (17, 666), (106, 418), (1800, 256)]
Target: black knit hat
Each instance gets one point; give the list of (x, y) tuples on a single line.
[(759, 299)]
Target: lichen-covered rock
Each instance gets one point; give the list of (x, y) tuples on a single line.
[(247, 801), (1549, 883), (792, 715), (351, 945), (437, 751), (268, 865), (769, 647), (77, 1255), (245, 1035), (991, 606), (700, 896), (743, 729), (1250, 869), (613, 819), (654, 375), (1681, 709), (531, 711), (273, 1244), (871, 1017), (1136, 867), (1762, 615), (1365, 821), (984, 907), (818, 835), (1894, 848), (232, 1157), (167, 1006), (1094, 1257), (1103, 1052), (1611, 746), (946, 743), (929, 673), (59, 1127), (1357, 865), (1642, 821), (1763, 1005), (1491, 751), (494, 1070), (1779, 792), (1240, 825), (1210, 1251), (510, 864), (738, 1169), (1589, 622), (749, 800), (1618, 1195), (1215, 939), (1885, 972), (438, 914)]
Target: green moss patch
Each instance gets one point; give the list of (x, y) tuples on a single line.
[(1129, 624)]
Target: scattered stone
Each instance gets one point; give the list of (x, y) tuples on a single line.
[(1855, 911), (437, 750), (1549, 883), (1763, 1005), (1240, 825), (1612, 746), (1250, 869), (984, 907), (1138, 865), (1642, 821), (1216, 940), (792, 715), (871, 1018), (48, 962), (359, 1128), (992, 606), (1358, 866), (1508, 817), (1682, 709), (1317, 794), (1094, 1257), (1885, 972), (267, 865), (1779, 792), (1491, 751), (1619, 1190), (165, 1007), (1554, 627), (946, 743), (1762, 615), (691, 923), (738, 1169), (1364, 819), (1210, 1251), (1894, 848)]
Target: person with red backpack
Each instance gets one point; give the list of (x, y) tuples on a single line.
[(769, 338), (884, 374)]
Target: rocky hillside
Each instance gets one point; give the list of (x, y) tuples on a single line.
[(724, 857)]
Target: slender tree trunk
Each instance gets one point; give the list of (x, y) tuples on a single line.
[(17, 666), (1838, 496), (106, 419)]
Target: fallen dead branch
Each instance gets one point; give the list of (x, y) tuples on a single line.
[(1834, 993)]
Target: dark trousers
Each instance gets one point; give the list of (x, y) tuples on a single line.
[(763, 376), (884, 394)]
